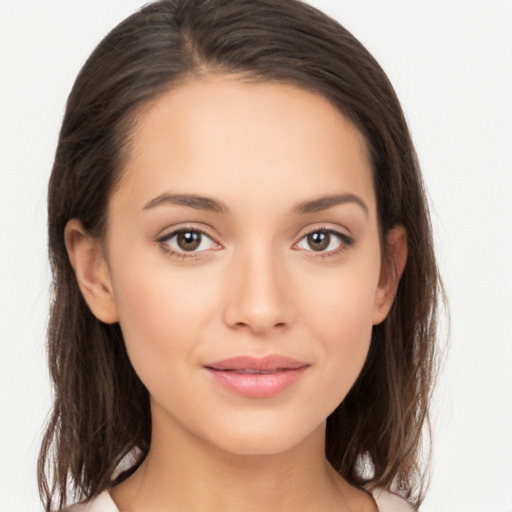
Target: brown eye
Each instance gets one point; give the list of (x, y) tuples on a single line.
[(188, 240), (319, 240), (326, 241)]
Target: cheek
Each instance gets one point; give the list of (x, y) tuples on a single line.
[(162, 313), (343, 300), (339, 316)]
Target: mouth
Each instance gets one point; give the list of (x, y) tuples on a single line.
[(257, 377), (248, 371)]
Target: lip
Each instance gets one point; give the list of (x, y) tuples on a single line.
[(257, 377)]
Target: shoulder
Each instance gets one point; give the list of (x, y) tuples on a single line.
[(390, 502), (101, 503)]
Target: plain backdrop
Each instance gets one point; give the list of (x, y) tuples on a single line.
[(451, 64)]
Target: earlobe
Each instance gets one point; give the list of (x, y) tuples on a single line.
[(91, 270), (391, 272)]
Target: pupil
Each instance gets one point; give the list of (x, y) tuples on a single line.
[(319, 241), (189, 240)]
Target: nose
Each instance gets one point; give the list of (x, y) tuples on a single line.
[(259, 294)]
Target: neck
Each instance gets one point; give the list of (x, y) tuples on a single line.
[(184, 472)]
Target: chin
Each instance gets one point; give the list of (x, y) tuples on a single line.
[(263, 438)]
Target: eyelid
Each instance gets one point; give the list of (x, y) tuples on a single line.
[(346, 240), (324, 226)]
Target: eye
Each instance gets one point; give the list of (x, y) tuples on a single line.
[(324, 240), (187, 241)]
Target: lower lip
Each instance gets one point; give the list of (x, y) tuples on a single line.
[(257, 385)]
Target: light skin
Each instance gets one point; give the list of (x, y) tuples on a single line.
[(282, 257)]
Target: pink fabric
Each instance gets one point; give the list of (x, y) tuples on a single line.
[(101, 503), (390, 502)]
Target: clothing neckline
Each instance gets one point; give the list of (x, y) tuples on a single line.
[(384, 500)]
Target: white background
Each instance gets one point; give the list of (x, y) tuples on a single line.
[(451, 64)]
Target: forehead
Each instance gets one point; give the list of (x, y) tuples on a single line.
[(220, 135)]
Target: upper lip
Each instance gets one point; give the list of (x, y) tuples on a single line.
[(270, 362)]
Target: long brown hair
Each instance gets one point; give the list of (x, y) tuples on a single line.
[(101, 413)]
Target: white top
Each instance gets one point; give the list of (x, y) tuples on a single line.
[(386, 502)]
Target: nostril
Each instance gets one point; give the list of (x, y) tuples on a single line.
[(259, 327), (258, 303)]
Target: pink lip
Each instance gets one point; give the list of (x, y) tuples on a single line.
[(257, 377)]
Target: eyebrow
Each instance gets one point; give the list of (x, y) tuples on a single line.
[(190, 200), (326, 202), (212, 205)]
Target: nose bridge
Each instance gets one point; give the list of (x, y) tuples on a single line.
[(258, 295)]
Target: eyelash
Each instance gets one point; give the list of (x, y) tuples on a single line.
[(345, 242), (164, 240)]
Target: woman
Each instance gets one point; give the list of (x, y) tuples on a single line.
[(245, 287)]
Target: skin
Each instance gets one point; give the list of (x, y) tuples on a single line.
[(255, 285)]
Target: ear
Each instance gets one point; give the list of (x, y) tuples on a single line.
[(391, 271), (91, 270)]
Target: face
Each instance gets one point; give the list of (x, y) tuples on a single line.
[(243, 260)]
